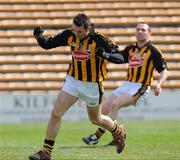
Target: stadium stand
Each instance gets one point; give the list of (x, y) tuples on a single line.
[(24, 66)]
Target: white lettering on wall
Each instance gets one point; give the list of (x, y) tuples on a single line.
[(28, 107)]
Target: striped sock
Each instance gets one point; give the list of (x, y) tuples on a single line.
[(100, 132), (48, 146), (115, 130)]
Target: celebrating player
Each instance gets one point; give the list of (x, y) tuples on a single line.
[(84, 78)]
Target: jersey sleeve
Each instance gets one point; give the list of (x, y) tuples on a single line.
[(60, 39), (125, 53), (158, 60)]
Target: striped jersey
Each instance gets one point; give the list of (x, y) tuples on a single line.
[(142, 62), (85, 64)]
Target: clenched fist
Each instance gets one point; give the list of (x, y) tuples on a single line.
[(38, 31)]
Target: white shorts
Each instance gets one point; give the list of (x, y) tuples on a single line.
[(90, 92), (137, 90)]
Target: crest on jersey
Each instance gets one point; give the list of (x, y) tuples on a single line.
[(135, 62), (80, 55)]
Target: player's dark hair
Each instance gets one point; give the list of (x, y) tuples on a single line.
[(149, 29), (82, 20)]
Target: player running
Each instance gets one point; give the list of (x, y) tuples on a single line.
[(84, 78), (143, 58)]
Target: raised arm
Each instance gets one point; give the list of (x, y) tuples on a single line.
[(57, 40)]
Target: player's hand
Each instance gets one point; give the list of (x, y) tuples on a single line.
[(157, 90), (101, 52), (38, 31)]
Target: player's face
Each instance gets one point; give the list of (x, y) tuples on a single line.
[(79, 32), (142, 33)]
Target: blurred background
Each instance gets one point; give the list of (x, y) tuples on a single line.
[(30, 77)]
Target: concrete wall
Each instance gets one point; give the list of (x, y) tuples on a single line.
[(37, 107)]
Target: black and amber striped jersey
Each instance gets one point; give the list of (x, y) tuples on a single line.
[(85, 64), (142, 62)]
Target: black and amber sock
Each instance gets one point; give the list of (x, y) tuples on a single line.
[(115, 130), (48, 146), (100, 132)]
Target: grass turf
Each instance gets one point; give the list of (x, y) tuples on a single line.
[(146, 140)]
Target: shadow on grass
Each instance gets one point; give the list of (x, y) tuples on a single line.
[(99, 146)]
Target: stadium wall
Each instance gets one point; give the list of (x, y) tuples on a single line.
[(37, 107)]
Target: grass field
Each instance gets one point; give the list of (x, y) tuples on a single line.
[(146, 140)]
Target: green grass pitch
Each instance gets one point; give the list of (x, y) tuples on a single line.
[(146, 140)]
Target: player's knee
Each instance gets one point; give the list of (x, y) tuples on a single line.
[(115, 105), (114, 108), (105, 109), (95, 121), (55, 116)]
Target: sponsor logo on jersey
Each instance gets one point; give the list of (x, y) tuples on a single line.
[(80, 55), (135, 62)]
